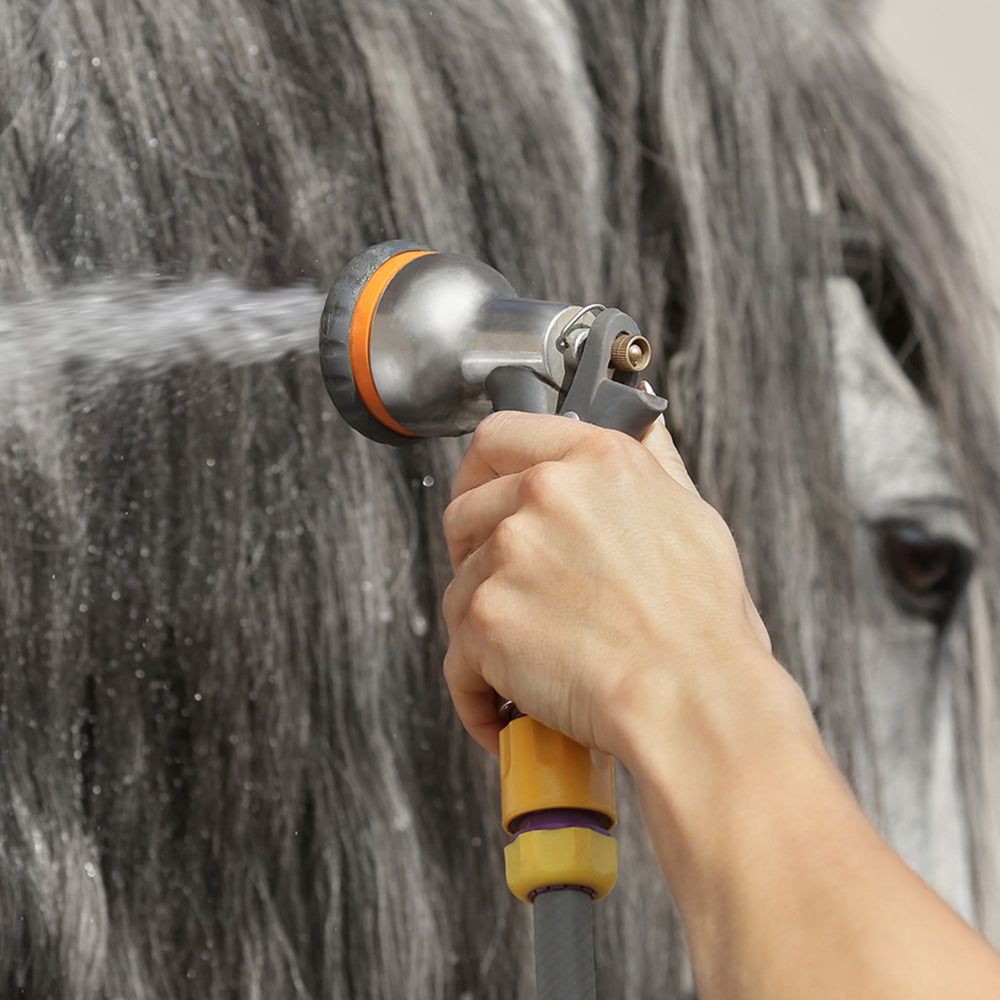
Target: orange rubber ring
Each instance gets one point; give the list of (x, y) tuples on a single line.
[(360, 333)]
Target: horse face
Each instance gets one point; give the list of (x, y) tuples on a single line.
[(916, 550)]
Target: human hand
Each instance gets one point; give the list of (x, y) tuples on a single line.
[(588, 572), (600, 593)]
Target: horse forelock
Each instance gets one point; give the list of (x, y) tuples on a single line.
[(270, 143)]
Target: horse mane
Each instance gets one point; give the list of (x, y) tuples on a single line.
[(230, 767)]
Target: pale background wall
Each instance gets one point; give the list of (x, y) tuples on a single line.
[(948, 53)]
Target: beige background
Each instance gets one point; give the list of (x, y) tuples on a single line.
[(948, 54)]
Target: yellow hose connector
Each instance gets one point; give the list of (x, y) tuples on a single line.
[(542, 769), (567, 856), (544, 772)]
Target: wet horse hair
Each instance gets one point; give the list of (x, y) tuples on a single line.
[(228, 765)]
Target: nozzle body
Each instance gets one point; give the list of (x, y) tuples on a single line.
[(419, 347), (415, 343), (441, 329)]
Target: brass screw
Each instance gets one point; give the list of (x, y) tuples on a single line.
[(630, 353)]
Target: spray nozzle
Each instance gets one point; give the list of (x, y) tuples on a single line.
[(415, 343), (421, 344)]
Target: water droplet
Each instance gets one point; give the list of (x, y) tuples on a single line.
[(154, 142), (419, 625), (210, 462), (95, 62), (197, 696), (90, 869), (116, 595), (427, 481)]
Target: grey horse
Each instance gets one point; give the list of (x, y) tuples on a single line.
[(228, 767)]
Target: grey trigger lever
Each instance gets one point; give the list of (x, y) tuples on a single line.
[(603, 389)]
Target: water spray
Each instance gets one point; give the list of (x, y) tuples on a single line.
[(417, 344)]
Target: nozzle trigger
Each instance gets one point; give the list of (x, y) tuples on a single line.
[(616, 403)]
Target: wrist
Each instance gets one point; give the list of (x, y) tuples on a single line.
[(707, 757), (739, 799), (785, 889)]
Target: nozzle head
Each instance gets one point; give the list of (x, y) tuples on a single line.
[(409, 336), (418, 344), (335, 343)]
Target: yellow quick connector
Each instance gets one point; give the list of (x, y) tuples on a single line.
[(558, 802)]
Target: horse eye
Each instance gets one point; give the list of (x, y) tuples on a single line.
[(927, 572)]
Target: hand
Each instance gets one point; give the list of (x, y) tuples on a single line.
[(586, 569), (595, 589)]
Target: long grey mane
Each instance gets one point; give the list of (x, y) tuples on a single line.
[(228, 764)]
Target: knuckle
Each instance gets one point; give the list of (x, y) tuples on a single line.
[(455, 660), (485, 614), (543, 485), (450, 610), (474, 620), (479, 607), (601, 446), (489, 429), (451, 518), (506, 542), (607, 446)]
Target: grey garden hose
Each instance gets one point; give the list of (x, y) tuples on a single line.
[(564, 945)]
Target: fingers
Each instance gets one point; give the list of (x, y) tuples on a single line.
[(472, 517), (659, 442), (509, 442), (470, 574), (474, 700), (469, 642), (533, 485)]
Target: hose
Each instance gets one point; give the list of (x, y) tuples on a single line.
[(565, 967)]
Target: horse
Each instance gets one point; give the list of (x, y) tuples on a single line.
[(229, 766)]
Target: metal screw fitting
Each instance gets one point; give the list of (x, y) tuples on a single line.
[(630, 353), (508, 712)]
